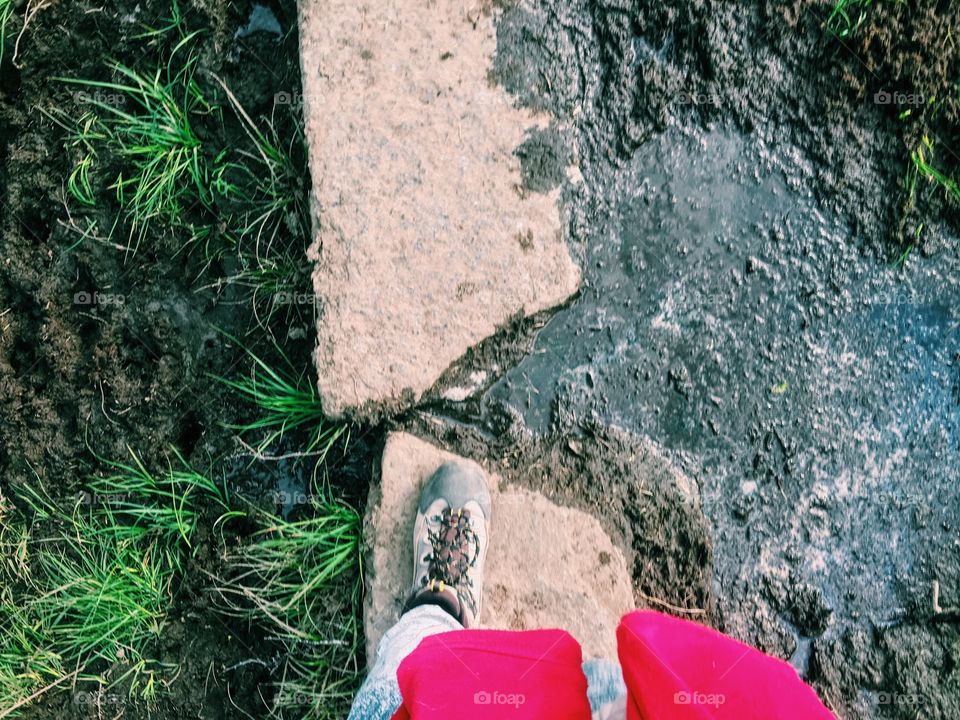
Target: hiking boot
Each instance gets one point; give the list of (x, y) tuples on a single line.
[(450, 542)]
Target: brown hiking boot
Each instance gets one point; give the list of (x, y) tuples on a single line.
[(450, 542)]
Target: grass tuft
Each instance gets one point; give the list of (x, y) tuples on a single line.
[(25, 664), (145, 139), (288, 401), (300, 581), (921, 166), (145, 121), (150, 505), (175, 24), (6, 12), (263, 181), (87, 587), (846, 17)]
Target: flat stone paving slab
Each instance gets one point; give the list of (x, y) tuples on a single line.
[(424, 240), (547, 566)]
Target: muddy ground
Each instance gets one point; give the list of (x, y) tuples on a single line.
[(740, 221), (101, 351)]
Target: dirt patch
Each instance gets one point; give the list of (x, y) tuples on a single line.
[(905, 58), (630, 68), (908, 49), (544, 159), (101, 350)]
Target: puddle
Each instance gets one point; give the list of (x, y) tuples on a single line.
[(670, 257)]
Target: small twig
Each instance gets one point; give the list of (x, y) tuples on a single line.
[(233, 702), (93, 317), (27, 17), (103, 405), (250, 128), (243, 663), (87, 234), (277, 458), (951, 614), (674, 608)]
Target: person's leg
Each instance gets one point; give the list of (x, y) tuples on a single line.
[(606, 689), (379, 696), (676, 667), (449, 546)]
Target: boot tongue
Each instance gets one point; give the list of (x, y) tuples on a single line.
[(446, 599)]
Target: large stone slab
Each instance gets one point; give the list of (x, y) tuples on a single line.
[(425, 241), (547, 566)]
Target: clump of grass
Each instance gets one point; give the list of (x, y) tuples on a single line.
[(24, 663), (288, 400), (91, 584), (155, 140), (78, 183), (270, 279), (288, 562), (261, 197), (321, 676), (263, 181), (164, 506), (174, 24), (846, 17), (145, 122), (921, 166), (300, 581), (101, 597), (13, 545), (6, 12)]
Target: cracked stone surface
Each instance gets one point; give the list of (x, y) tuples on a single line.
[(426, 236), (547, 566)]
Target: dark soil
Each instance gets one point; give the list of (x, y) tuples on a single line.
[(906, 59), (632, 67), (101, 351)]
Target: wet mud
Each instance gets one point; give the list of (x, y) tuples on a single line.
[(739, 222)]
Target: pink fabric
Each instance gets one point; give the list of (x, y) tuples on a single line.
[(468, 674), (673, 669), (679, 669)]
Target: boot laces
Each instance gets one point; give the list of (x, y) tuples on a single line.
[(455, 548)]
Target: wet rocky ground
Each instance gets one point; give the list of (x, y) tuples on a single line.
[(810, 391), (746, 308)]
